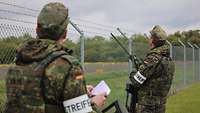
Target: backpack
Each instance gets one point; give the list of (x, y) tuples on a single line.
[(24, 86)]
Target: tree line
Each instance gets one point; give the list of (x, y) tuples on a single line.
[(99, 48)]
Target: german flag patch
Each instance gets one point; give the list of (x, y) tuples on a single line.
[(78, 74)]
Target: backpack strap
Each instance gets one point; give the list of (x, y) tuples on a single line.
[(73, 62), (51, 57), (42, 65)]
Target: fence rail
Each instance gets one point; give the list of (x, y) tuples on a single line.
[(186, 57)]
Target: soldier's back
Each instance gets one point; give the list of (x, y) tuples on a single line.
[(44, 75)]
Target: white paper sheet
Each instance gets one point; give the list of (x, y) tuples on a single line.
[(101, 88)]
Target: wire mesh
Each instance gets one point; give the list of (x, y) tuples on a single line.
[(104, 49), (10, 38), (179, 66)]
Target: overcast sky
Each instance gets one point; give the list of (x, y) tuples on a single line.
[(137, 16)]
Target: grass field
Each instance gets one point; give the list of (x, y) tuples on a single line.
[(2, 91), (2, 95), (115, 80), (185, 101)]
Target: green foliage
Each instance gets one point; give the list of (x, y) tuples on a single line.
[(192, 36), (100, 49), (139, 38), (8, 47), (94, 48)]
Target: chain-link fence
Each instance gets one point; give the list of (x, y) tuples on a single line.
[(10, 37), (187, 59), (187, 65)]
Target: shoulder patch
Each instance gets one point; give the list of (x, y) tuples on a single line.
[(152, 58), (77, 69)]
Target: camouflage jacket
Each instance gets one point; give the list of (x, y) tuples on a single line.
[(154, 77), (62, 78)]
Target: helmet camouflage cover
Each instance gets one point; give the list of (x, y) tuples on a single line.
[(53, 20), (158, 32)]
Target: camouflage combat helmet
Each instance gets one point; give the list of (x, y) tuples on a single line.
[(158, 32), (53, 20)]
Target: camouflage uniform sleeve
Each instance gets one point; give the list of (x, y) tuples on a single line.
[(146, 70), (61, 74), (75, 82)]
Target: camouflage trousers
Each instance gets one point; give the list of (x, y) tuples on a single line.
[(150, 108)]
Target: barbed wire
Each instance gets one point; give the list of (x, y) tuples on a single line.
[(17, 13), (17, 20), (17, 30), (69, 29), (98, 24), (104, 27), (94, 27), (96, 33), (18, 6)]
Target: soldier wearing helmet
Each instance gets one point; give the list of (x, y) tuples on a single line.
[(158, 36), (46, 75), (154, 78)]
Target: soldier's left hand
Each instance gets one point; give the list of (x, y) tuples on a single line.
[(89, 89)]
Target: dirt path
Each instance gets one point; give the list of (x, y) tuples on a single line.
[(89, 68)]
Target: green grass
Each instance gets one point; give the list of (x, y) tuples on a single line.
[(2, 95), (178, 82), (185, 101), (2, 91), (115, 80)]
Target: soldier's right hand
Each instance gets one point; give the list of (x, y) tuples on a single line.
[(99, 99)]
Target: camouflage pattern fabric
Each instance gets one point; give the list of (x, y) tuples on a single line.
[(158, 32), (153, 80), (53, 20), (38, 84), (150, 109)]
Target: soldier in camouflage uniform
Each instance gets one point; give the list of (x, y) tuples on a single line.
[(154, 77), (45, 73)]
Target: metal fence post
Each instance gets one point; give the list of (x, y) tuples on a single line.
[(170, 44), (130, 51), (198, 58), (82, 42), (184, 71), (193, 59), (129, 46), (171, 51)]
